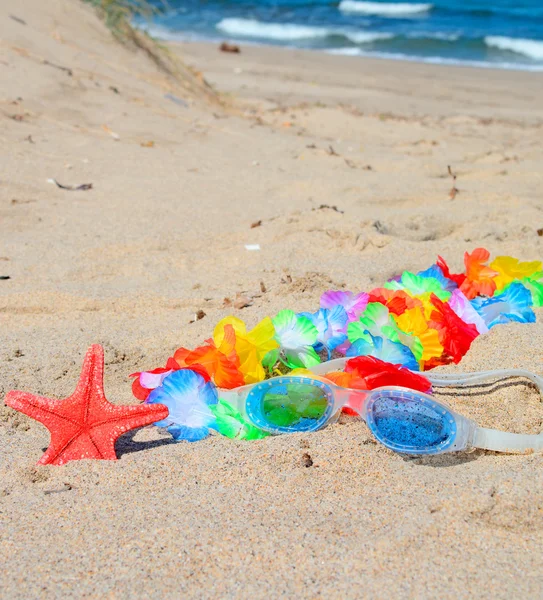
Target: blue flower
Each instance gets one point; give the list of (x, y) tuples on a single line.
[(384, 349), (436, 273), (331, 327), (513, 304), (188, 397)]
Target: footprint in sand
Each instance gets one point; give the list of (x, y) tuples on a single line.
[(415, 228)]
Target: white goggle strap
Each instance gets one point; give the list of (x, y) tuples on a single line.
[(501, 441), (338, 364), (493, 439), (461, 379), (444, 379)]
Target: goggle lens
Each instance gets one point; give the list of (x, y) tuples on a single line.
[(411, 423), (294, 404)]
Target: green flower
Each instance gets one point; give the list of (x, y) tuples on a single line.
[(536, 288), (296, 336), (377, 321), (372, 320), (231, 424), (417, 286)]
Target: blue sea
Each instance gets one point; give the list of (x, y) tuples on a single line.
[(496, 33)]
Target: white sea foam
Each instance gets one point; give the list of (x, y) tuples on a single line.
[(285, 32), (347, 52), (436, 60), (170, 35), (383, 9), (531, 48), (272, 31), (366, 37), (436, 35)]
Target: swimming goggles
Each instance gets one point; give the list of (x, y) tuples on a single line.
[(402, 419)]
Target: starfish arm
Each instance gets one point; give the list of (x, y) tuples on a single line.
[(63, 429), (104, 435), (131, 416), (45, 410), (67, 446), (91, 381)]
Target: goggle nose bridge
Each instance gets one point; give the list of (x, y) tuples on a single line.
[(353, 399)]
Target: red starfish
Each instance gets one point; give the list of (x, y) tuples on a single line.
[(85, 425)]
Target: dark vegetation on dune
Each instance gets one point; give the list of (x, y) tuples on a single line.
[(118, 16)]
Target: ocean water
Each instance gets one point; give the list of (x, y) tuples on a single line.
[(495, 33)]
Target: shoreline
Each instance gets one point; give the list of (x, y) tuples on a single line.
[(162, 35), (372, 84)]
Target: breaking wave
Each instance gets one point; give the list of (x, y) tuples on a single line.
[(289, 32), (530, 48), (383, 9)]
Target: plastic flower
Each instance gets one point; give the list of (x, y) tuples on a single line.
[(395, 334), (188, 397), (458, 278), (514, 303), (418, 286), (436, 273), (371, 321), (536, 288), (479, 277), (385, 349), (219, 361), (377, 321), (397, 301), (354, 304), (426, 305), (296, 336), (342, 348), (330, 325), (455, 335), (340, 378), (251, 347), (414, 322), (369, 372), (464, 309), (438, 361), (146, 381), (510, 269), (231, 424)]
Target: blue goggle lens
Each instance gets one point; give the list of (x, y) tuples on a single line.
[(411, 423)]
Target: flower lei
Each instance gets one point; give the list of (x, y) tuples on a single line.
[(413, 323)]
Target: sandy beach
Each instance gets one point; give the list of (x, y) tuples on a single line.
[(343, 162)]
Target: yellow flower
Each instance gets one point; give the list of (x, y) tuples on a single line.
[(413, 321), (251, 347), (509, 269), (432, 347)]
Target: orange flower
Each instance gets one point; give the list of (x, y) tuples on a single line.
[(221, 363), (479, 277)]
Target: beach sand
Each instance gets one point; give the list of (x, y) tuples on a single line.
[(344, 162)]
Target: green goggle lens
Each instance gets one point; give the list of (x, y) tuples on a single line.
[(293, 405)]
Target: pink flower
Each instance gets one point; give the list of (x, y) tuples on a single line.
[(354, 304)]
